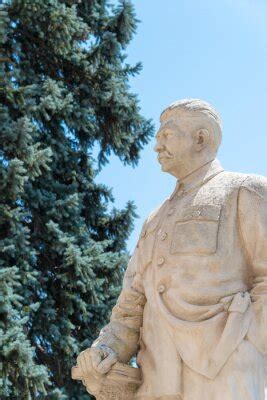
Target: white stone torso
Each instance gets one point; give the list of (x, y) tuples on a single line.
[(192, 250)]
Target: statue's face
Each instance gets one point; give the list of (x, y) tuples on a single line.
[(175, 146)]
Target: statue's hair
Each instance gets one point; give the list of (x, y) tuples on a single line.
[(196, 106)]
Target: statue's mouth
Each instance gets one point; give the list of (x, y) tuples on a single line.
[(165, 156)]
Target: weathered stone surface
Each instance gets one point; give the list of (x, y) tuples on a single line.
[(194, 298)]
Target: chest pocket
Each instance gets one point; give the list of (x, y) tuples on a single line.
[(147, 240), (196, 231)]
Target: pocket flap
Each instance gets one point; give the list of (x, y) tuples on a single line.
[(202, 212)]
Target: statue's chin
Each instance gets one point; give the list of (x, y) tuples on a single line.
[(167, 171), (165, 167)]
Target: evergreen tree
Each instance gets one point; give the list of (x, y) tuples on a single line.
[(63, 251)]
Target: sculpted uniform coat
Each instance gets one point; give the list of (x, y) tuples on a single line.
[(196, 287)]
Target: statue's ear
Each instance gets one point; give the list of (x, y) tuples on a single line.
[(201, 139)]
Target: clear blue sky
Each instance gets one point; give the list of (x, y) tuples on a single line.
[(215, 50)]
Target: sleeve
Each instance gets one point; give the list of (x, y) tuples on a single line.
[(123, 331), (252, 211)]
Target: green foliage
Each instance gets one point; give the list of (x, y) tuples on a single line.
[(62, 250)]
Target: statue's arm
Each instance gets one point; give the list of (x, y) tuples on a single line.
[(118, 341), (252, 211), (122, 333)]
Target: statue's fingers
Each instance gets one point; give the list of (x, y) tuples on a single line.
[(96, 357), (82, 364), (107, 363), (87, 358)]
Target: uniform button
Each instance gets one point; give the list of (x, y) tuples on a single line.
[(163, 236), (171, 211), (161, 288), (161, 260)]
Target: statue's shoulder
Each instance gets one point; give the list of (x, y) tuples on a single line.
[(256, 184), (156, 212), (233, 179), (238, 180)]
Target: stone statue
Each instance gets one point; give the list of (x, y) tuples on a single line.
[(194, 299)]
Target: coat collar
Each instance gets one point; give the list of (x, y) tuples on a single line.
[(197, 178)]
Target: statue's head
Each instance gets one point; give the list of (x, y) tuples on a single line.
[(189, 136)]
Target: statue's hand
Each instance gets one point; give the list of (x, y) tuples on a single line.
[(96, 361)]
